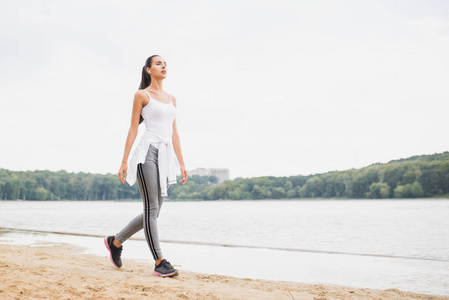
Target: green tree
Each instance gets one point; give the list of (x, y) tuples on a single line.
[(278, 193), (257, 192), (291, 193), (409, 190), (235, 194), (379, 190)]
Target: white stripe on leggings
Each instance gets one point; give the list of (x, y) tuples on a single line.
[(147, 210)]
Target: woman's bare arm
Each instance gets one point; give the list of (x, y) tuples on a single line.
[(132, 133), (177, 147)]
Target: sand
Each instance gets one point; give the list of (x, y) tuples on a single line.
[(61, 272)]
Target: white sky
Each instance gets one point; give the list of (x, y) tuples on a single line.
[(263, 87)]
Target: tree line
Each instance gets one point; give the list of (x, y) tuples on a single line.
[(414, 177)]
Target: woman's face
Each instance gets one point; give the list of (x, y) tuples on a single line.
[(158, 67)]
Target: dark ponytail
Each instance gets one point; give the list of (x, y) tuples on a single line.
[(146, 78)]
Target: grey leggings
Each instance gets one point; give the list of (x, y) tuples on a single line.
[(150, 190)]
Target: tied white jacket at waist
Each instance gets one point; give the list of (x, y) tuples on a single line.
[(167, 162)]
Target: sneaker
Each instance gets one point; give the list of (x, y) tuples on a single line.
[(165, 269), (115, 253)]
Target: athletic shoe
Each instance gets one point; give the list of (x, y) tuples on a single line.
[(115, 252), (165, 269)]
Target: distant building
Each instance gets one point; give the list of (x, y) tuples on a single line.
[(221, 174)]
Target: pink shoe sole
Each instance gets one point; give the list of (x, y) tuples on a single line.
[(110, 254), (166, 275)]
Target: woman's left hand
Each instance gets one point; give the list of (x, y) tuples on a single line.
[(184, 175)]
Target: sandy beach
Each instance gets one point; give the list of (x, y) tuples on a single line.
[(61, 272)]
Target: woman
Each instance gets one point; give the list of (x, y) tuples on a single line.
[(153, 163)]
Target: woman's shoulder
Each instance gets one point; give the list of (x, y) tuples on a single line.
[(140, 97), (173, 98), (140, 93)]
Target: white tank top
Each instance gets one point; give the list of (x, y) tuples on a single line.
[(158, 119)]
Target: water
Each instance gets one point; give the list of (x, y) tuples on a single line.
[(382, 244)]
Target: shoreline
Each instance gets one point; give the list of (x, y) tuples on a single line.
[(198, 243), (62, 272), (438, 197)]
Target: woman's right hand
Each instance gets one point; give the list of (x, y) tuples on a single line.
[(122, 172)]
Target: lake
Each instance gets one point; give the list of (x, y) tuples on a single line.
[(382, 244)]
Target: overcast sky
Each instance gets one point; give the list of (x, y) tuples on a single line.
[(263, 87)]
